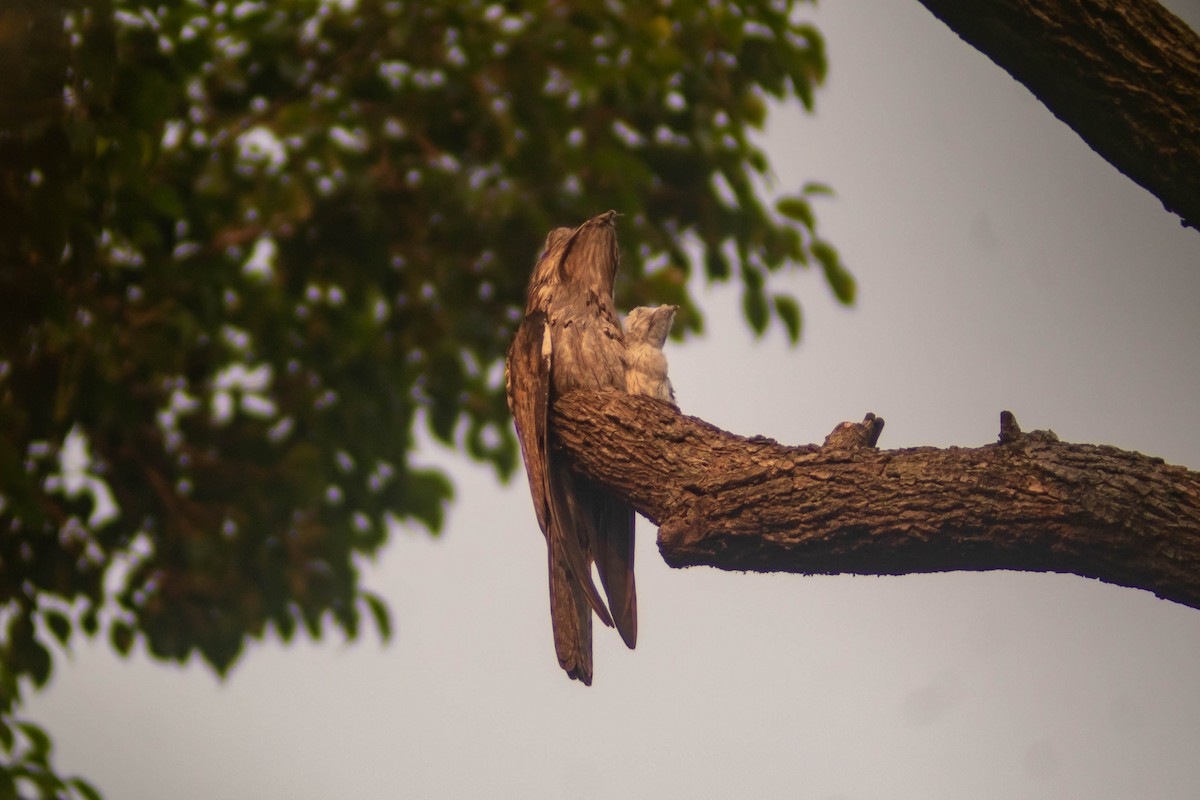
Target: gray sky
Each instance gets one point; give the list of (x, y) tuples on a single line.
[(1002, 265)]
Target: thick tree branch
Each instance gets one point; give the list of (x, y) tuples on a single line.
[(1124, 74), (1029, 502)]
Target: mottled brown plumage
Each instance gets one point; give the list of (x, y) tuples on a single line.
[(571, 338)]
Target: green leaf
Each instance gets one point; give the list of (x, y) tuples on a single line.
[(39, 742), (90, 621), (85, 789), (804, 90), (795, 247), (37, 660), (754, 110), (121, 636), (841, 281), (286, 623), (754, 306), (6, 738), (346, 616), (798, 209), (815, 188), (59, 625), (379, 612), (311, 617), (789, 311), (426, 493), (716, 265), (753, 277)]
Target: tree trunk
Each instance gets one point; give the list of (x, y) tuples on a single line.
[(1028, 502), (1123, 74)]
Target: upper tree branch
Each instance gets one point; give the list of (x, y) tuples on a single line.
[(1124, 74), (1028, 502)]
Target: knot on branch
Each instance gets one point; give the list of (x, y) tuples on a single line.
[(1010, 431), (855, 435)]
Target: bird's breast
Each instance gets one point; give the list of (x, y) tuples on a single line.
[(588, 354)]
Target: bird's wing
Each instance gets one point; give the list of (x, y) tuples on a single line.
[(573, 595), (527, 379), (591, 354), (570, 528)]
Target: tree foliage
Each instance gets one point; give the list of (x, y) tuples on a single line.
[(248, 247)]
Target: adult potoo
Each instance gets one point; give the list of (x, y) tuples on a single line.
[(571, 338), (646, 332)]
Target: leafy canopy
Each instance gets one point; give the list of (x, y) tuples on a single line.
[(248, 246)]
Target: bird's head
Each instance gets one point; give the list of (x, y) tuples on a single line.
[(650, 324), (590, 256)]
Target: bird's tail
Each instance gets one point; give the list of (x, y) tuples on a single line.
[(571, 613), (612, 549)]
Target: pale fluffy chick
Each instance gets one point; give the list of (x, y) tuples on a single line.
[(646, 331)]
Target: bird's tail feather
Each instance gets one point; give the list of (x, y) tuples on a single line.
[(572, 527), (612, 548), (571, 613)]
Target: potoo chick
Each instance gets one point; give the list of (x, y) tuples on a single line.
[(646, 331)]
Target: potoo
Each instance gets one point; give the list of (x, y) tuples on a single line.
[(571, 338), (646, 331)]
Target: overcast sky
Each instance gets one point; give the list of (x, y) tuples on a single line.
[(1001, 265)]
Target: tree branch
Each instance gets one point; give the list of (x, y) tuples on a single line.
[(1028, 502), (1124, 75)]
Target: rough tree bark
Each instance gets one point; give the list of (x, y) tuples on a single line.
[(1028, 502), (1123, 74)]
